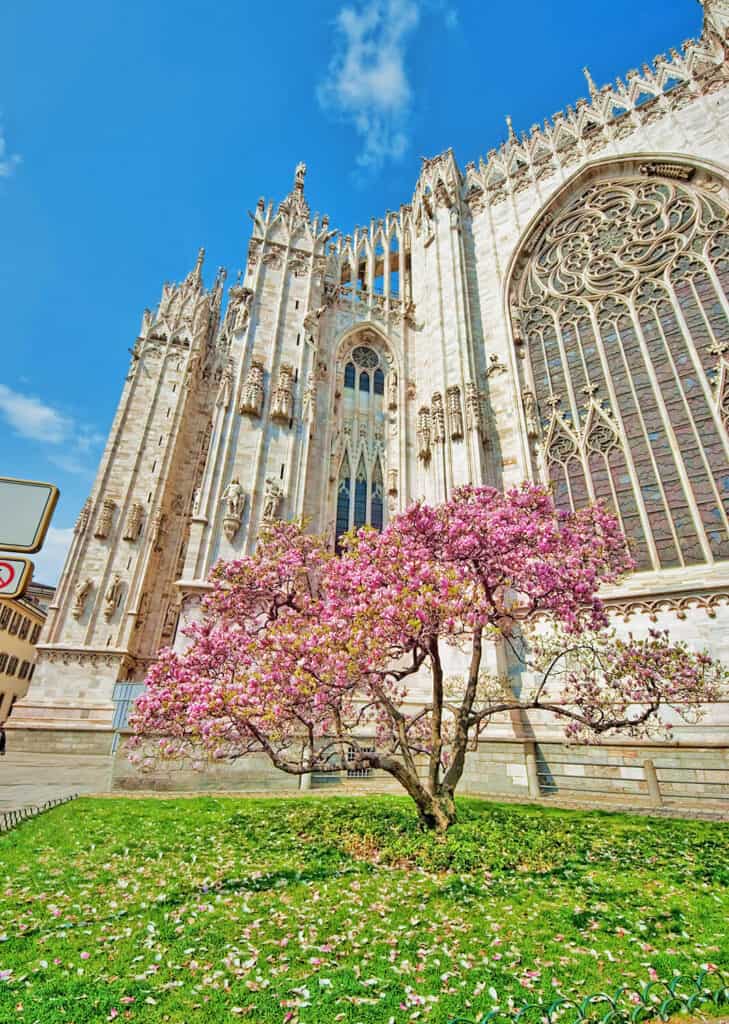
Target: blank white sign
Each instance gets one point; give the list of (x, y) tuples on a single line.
[(26, 507)]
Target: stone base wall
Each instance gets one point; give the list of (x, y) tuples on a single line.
[(59, 741)]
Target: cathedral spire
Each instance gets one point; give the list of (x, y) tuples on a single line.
[(295, 204)]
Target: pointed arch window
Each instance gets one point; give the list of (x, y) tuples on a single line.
[(360, 495), (377, 496), (364, 381), (624, 309), (349, 375), (379, 382), (344, 489)]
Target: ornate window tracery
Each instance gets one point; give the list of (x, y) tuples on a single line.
[(362, 451), (622, 306)]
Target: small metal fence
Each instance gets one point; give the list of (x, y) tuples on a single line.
[(627, 1005), (10, 819)]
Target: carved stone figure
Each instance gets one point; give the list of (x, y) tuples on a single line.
[(474, 418), (392, 391), (158, 529), (438, 418), (80, 597), (111, 597), (134, 521), (531, 413), (423, 433), (106, 516), (234, 498), (225, 390), (310, 396), (392, 481), (455, 413), (251, 401), (282, 406), (83, 517), (299, 175), (272, 501)]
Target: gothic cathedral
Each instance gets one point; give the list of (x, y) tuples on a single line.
[(558, 311)]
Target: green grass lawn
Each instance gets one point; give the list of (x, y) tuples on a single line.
[(340, 909)]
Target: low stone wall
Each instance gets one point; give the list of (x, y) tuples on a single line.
[(59, 741)]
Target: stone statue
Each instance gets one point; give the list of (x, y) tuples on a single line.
[(103, 525), (134, 522), (282, 406), (225, 391), (80, 596), (251, 400), (111, 597), (423, 433), (272, 501), (455, 413), (438, 418), (299, 175), (531, 413), (234, 497), (392, 391), (83, 517)]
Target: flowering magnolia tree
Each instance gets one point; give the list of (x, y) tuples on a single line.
[(309, 658)]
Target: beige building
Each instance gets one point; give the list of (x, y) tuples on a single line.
[(558, 310), (21, 621)]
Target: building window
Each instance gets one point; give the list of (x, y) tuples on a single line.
[(343, 497), (24, 627), (364, 381), (15, 623), (349, 375), (5, 613), (622, 306), (379, 382), (12, 666), (35, 633), (360, 496), (3, 662), (377, 496), (24, 669)]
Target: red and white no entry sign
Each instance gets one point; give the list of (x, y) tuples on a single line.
[(15, 574)]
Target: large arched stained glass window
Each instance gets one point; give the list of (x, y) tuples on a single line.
[(623, 307), (360, 497)]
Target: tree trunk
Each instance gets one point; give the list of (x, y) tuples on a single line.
[(437, 813)]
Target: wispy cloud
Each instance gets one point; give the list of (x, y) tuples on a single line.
[(8, 161), (71, 443), (367, 81)]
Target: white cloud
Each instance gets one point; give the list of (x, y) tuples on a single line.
[(31, 418), (49, 560), (8, 161), (367, 81)]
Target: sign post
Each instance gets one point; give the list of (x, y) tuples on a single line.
[(15, 574), (26, 507)]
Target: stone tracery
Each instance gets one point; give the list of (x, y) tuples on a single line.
[(624, 292)]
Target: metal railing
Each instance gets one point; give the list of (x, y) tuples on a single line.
[(11, 819), (627, 1005)]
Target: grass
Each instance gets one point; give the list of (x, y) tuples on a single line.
[(222, 909)]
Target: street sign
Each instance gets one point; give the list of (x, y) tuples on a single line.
[(26, 507), (15, 575)]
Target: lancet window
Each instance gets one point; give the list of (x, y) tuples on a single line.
[(360, 482), (622, 308)]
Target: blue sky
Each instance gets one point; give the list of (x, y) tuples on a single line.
[(132, 132)]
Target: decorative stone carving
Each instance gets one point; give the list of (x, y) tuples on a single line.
[(112, 596), (423, 433), (80, 597), (106, 517), (225, 389), (83, 517), (234, 498), (159, 520), (272, 501), (282, 406), (495, 365), (310, 396), (455, 412), (392, 391), (677, 171), (133, 524), (474, 417), (252, 393), (438, 418), (531, 413), (392, 481)]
